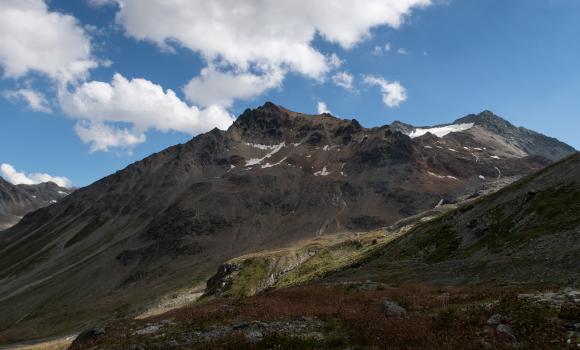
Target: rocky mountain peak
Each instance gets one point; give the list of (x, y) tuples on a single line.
[(272, 123), (486, 119)]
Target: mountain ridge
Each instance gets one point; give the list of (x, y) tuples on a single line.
[(18, 200), (273, 178)]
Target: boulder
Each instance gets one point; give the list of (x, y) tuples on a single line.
[(390, 308)]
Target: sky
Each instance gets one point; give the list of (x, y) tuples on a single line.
[(88, 87)]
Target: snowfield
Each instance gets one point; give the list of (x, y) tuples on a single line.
[(441, 130)]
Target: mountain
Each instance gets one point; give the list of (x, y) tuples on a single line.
[(492, 272), (498, 134), (273, 178), (526, 233), (18, 200)]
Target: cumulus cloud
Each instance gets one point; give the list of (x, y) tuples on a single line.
[(215, 87), (17, 178), (35, 100), (33, 38), (402, 51), (102, 137), (393, 92), (250, 37), (139, 102), (322, 108), (343, 79)]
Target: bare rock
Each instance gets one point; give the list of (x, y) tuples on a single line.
[(494, 320), (390, 308), (505, 330)]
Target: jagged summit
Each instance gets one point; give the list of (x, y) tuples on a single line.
[(274, 123), (486, 118)]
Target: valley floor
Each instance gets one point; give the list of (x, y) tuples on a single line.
[(359, 316)]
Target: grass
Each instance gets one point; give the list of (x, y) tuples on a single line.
[(305, 262), (254, 272)]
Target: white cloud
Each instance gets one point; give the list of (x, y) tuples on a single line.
[(102, 137), (321, 107), (343, 79), (251, 37), (35, 100), (393, 92), (402, 51), (214, 87), (17, 178), (388, 47), (377, 50), (260, 31), (139, 102), (33, 38), (101, 2), (334, 61)]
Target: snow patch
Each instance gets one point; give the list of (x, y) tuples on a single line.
[(274, 149), (452, 150), (495, 157), (322, 172), (428, 147), (442, 176), (52, 201), (262, 147), (268, 165), (63, 193), (482, 177), (441, 130)]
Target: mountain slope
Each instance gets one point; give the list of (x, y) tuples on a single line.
[(273, 178), (18, 200), (528, 232)]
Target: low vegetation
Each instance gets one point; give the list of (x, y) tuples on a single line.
[(351, 315)]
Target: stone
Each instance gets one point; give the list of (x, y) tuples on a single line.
[(254, 336), (505, 330), (494, 320), (88, 335), (390, 308), (150, 329)]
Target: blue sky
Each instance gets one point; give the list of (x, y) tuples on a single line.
[(518, 58)]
